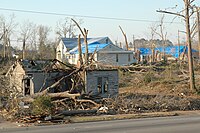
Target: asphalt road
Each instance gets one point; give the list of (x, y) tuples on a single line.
[(178, 124)]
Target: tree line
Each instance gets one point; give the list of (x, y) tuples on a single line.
[(30, 40)]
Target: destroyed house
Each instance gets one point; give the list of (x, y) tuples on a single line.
[(102, 83), (30, 77)]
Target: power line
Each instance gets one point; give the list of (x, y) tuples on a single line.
[(82, 16)]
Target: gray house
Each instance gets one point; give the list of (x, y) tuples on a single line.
[(103, 83)]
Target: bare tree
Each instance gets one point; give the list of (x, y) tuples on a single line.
[(198, 27), (6, 30), (26, 31), (125, 37), (161, 33), (153, 29), (189, 11), (43, 32), (80, 50), (66, 28), (84, 32)]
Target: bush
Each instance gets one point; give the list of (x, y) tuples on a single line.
[(149, 77), (42, 105)]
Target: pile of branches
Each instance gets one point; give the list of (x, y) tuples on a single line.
[(142, 103), (47, 106), (46, 109)]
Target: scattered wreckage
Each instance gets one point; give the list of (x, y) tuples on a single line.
[(72, 90)]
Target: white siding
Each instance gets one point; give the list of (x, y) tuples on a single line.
[(61, 52), (74, 58)]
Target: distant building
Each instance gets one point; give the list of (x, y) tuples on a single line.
[(172, 52)]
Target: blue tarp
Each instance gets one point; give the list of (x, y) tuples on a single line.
[(170, 50), (91, 48)]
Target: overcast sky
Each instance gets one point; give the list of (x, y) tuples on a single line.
[(141, 15)]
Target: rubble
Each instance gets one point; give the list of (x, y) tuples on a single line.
[(56, 107)]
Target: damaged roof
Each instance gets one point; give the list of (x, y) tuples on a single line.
[(72, 43), (91, 48), (40, 65)]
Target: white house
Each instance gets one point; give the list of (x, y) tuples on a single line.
[(106, 53), (66, 44)]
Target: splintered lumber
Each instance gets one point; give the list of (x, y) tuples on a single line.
[(76, 112), (58, 82), (88, 101), (64, 94)]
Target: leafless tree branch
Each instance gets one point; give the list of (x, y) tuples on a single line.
[(177, 14)]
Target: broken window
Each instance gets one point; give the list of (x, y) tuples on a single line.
[(117, 58), (129, 57), (105, 86), (27, 85), (99, 84), (102, 85)]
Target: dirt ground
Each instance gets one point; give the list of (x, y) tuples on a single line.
[(160, 87)]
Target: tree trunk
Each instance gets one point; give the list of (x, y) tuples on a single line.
[(198, 27), (190, 60), (80, 50), (23, 50), (64, 94)]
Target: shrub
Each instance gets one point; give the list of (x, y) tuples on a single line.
[(148, 77), (42, 106)]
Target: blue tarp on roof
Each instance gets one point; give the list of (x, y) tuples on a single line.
[(91, 48), (170, 50), (72, 43)]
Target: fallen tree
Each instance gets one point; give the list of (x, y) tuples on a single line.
[(65, 94)]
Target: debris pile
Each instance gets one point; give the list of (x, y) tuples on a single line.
[(50, 105), (143, 103)]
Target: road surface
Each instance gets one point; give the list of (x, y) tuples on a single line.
[(177, 124)]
